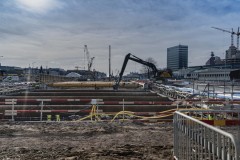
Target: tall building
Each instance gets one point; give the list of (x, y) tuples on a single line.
[(177, 57)]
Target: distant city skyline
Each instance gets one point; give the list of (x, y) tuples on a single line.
[(53, 32)]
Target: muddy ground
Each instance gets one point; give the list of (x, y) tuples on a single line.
[(85, 140)]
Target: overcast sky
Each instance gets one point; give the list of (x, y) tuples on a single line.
[(53, 32)]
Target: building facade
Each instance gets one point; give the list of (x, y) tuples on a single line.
[(177, 57), (208, 74)]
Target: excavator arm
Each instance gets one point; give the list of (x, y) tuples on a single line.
[(129, 56)]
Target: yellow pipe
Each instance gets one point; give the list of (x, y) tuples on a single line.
[(94, 114), (93, 84)]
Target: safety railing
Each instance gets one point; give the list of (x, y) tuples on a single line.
[(196, 140)]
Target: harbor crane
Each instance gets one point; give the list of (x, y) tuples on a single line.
[(89, 60), (232, 33)]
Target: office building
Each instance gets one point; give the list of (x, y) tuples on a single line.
[(177, 57)]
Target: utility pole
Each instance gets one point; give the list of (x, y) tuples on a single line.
[(109, 62), (41, 112), (0, 62), (84, 60), (225, 79), (193, 86)]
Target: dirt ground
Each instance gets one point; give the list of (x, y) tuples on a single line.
[(85, 140)]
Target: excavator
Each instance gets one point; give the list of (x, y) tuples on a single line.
[(157, 74)]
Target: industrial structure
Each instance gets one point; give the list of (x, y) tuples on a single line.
[(232, 34), (89, 59), (232, 54)]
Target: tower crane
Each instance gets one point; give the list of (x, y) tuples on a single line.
[(90, 63), (232, 33), (238, 33), (89, 60)]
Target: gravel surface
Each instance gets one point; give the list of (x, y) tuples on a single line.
[(85, 140)]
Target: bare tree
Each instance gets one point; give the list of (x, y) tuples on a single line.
[(146, 69)]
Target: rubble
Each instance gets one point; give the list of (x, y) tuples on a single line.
[(86, 140)]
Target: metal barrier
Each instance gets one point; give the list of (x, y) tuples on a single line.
[(194, 139)]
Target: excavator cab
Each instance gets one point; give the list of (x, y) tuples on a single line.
[(165, 74)]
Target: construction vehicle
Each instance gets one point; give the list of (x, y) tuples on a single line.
[(157, 74)]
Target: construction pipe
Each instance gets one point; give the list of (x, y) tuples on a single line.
[(88, 93), (84, 111), (104, 98), (92, 90), (99, 101), (104, 108), (94, 84), (143, 101)]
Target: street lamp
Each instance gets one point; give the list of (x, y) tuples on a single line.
[(225, 78)]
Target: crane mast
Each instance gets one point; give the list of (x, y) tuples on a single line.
[(238, 33), (90, 63), (89, 60)]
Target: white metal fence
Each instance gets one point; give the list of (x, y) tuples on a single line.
[(196, 140)]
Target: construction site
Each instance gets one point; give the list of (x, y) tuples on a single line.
[(61, 117), (91, 120), (58, 117), (123, 79), (86, 124)]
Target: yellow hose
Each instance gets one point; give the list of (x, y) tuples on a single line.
[(94, 114)]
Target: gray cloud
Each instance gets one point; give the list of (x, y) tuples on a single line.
[(56, 37)]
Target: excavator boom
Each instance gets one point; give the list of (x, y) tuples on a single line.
[(129, 56)]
